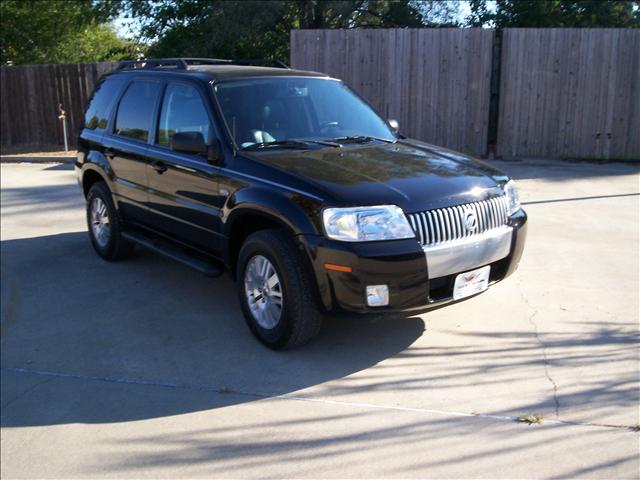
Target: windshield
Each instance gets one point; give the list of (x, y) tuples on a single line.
[(265, 110)]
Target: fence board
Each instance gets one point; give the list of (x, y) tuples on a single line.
[(570, 93), (435, 82)]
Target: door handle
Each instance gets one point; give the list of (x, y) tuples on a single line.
[(159, 167)]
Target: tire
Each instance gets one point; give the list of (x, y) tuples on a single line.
[(300, 318), (110, 246)]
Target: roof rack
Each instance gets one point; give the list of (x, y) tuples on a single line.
[(183, 63), (150, 63)]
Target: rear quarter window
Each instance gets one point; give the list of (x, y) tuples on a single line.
[(97, 114)]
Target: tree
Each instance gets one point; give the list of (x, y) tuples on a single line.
[(98, 43), (555, 13), (219, 28), (58, 31), (261, 29)]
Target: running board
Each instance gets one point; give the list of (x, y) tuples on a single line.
[(170, 250)]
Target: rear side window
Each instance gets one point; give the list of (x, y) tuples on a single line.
[(136, 110), (97, 114), (182, 111)]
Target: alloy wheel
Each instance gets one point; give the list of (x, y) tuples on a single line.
[(100, 225), (263, 292)]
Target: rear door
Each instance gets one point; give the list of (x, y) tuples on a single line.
[(127, 144), (183, 187)]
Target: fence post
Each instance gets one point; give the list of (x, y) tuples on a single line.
[(494, 96)]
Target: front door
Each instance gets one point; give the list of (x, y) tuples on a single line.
[(183, 187)]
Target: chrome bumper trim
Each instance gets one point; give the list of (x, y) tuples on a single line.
[(468, 253)]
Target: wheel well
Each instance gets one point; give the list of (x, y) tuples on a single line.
[(243, 227), (88, 179)]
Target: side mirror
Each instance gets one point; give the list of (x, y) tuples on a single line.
[(214, 153), (193, 142), (395, 126), (188, 142)]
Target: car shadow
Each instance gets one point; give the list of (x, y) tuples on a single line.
[(88, 341)]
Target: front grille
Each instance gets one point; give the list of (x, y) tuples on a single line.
[(443, 225)]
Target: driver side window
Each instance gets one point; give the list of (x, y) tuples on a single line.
[(182, 111)]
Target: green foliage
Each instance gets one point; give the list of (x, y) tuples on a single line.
[(59, 31), (555, 13), (223, 29), (261, 28), (97, 43)]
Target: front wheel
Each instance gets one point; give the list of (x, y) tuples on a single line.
[(276, 291)]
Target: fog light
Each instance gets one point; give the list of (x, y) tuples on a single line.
[(377, 295)]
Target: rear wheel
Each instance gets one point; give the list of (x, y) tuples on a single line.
[(276, 290), (105, 229)]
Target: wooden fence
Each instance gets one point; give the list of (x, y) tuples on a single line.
[(562, 93), (570, 93), (546, 93), (30, 96), (435, 82)]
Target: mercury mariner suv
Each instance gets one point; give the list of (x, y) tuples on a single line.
[(293, 184)]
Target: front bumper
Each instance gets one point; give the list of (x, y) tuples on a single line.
[(418, 279)]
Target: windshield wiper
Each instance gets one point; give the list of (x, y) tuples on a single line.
[(291, 143), (328, 143), (278, 143), (360, 139)]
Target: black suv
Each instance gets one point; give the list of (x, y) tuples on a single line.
[(292, 183)]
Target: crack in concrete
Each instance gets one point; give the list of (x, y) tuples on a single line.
[(543, 346), (291, 397), (556, 401), (25, 392)]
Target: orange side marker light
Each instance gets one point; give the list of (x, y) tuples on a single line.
[(337, 268)]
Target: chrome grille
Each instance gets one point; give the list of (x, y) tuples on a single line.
[(452, 223)]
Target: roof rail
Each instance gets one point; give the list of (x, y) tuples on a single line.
[(149, 63), (183, 63), (261, 62)]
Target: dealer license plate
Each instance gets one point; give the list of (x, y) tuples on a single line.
[(470, 283)]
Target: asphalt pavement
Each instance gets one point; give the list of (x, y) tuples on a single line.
[(144, 368)]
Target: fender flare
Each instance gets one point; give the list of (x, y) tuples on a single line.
[(292, 211), (96, 162)]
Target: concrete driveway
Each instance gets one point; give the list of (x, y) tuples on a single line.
[(144, 368)]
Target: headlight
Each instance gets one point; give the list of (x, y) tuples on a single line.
[(362, 224), (513, 197)]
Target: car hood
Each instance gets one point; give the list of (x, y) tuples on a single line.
[(413, 175)]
